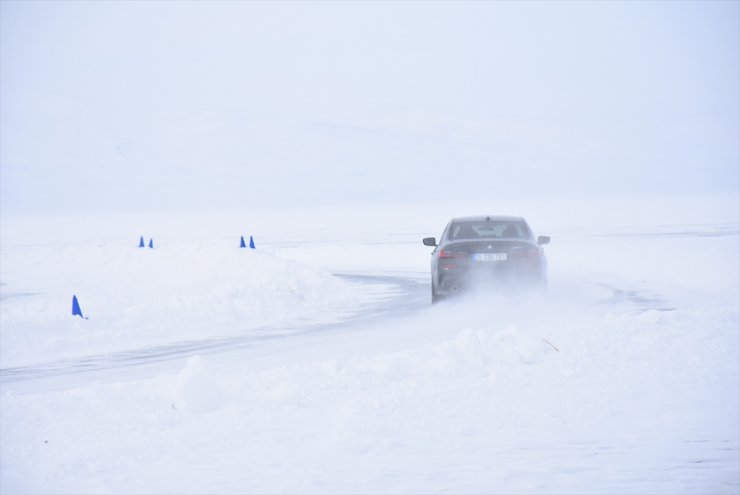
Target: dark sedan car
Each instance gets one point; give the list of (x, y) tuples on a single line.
[(488, 251)]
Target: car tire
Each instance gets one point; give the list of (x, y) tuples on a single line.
[(435, 297)]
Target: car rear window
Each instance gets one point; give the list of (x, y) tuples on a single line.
[(490, 229)]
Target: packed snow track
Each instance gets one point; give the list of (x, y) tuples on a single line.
[(402, 296)]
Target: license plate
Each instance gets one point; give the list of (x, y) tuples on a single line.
[(489, 257)]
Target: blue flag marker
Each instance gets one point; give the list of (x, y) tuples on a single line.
[(151, 243), (251, 242), (243, 244), (141, 241), (76, 311)]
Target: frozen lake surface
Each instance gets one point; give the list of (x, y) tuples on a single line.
[(318, 365)]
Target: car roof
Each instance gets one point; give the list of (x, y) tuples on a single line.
[(482, 218)]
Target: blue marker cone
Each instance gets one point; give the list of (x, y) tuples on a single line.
[(76, 307), (151, 243), (243, 244), (251, 242), (141, 242)]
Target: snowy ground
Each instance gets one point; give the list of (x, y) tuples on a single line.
[(206, 368)]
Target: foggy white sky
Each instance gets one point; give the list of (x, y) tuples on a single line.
[(123, 106)]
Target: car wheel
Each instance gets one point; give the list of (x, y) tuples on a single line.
[(435, 297)]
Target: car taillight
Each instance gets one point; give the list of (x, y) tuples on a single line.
[(528, 253), (451, 254), (533, 253)]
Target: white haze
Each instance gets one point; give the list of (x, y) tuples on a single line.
[(174, 106)]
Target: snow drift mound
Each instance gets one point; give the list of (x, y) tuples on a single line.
[(138, 297), (196, 389)]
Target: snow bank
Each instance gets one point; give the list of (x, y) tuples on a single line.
[(196, 389), (140, 297)]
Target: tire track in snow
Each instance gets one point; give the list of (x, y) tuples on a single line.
[(407, 294)]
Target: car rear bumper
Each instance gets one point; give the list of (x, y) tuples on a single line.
[(450, 282)]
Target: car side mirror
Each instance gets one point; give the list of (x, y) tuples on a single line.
[(543, 239), (430, 241)]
